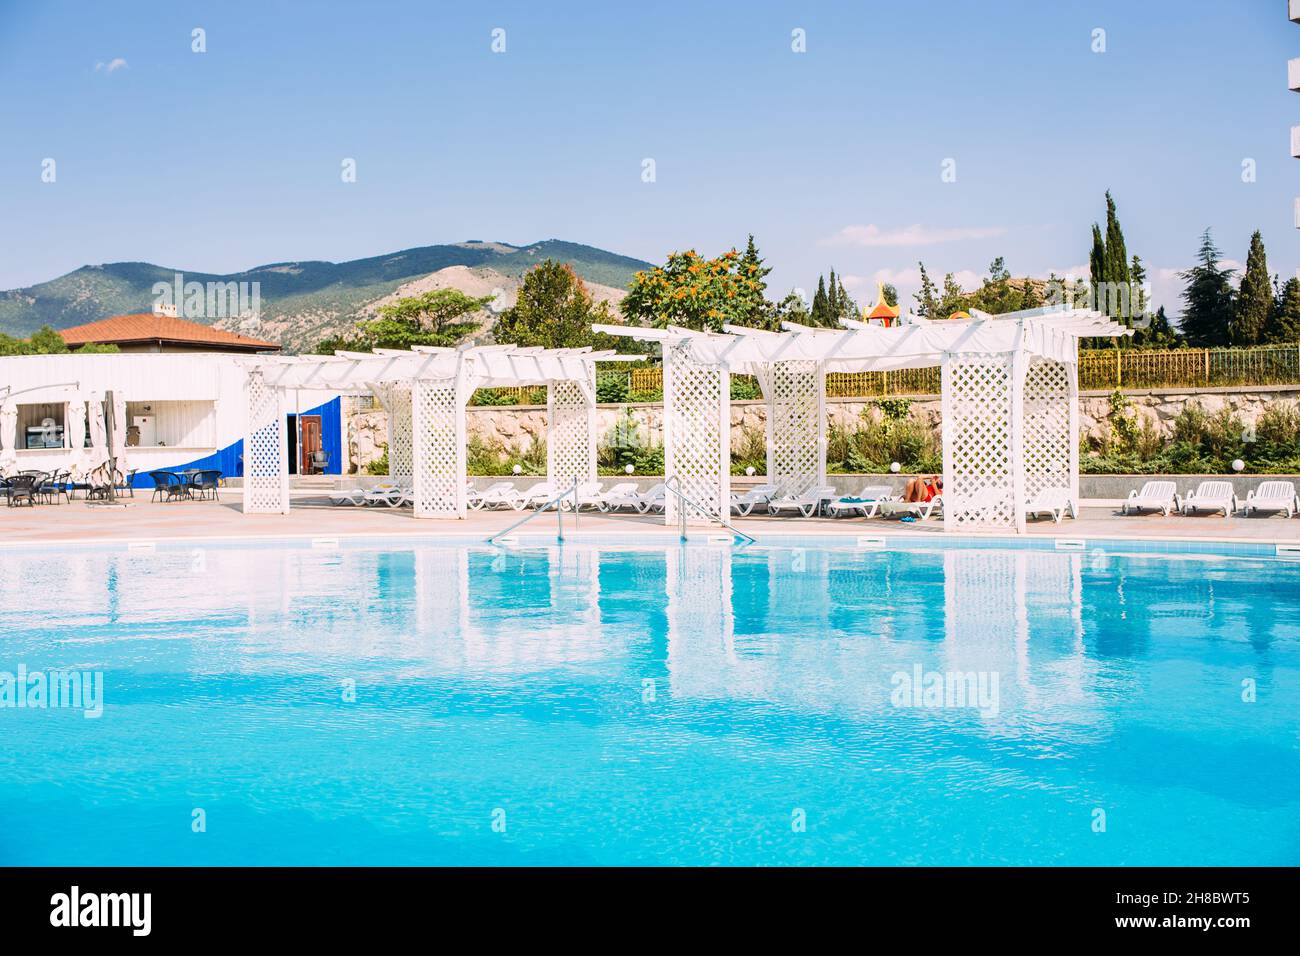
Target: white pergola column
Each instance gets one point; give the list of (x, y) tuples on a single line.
[(697, 436), (979, 396), (795, 395), (571, 431), (1051, 423), (266, 466), (396, 399), (438, 446)]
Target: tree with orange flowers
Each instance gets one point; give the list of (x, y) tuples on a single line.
[(702, 294)]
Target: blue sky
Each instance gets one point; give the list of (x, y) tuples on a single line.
[(231, 158)]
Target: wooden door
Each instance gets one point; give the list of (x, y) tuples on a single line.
[(309, 441)]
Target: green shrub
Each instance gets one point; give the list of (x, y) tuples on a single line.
[(380, 465), (611, 388), (744, 389)]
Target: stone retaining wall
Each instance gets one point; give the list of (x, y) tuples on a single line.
[(521, 425)]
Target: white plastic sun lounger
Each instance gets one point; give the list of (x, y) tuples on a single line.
[(865, 503), (498, 493), (588, 496), (622, 495), (534, 497), (1273, 496), (1159, 496), (652, 499), (744, 502), (357, 496), (806, 504), (1211, 496), (391, 495), (917, 509), (1053, 502)]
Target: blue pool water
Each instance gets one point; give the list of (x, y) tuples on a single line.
[(433, 704)]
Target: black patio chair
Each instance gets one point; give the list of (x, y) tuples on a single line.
[(55, 485), (128, 484), (168, 485), (205, 484), (22, 488)]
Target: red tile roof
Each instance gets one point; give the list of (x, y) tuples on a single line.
[(148, 327)]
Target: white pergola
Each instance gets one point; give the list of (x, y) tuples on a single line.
[(425, 391), (1010, 390)]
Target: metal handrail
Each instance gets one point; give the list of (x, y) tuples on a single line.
[(559, 513), (668, 486)]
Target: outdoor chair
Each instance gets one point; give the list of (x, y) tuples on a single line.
[(921, 510), (1159, 496), (743, 503), (55, 485), (617, 496), (320, 460), (652, 499), (355, 497), (22, 488), (127, 485), (806, 504), (168, 486), (1211, 496), (1273, 496), (498, 493), (392, 495), (588, 495), (1053, 502), (866, 502), (533, 497), (206, 483)]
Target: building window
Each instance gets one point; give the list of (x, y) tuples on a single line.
[(41, 426), (170, 424)]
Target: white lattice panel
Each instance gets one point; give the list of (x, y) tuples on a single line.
[(697, 441), (796, 419), (978, 397), (396, 399), (701, 622), (438, 448), (266, 472), (1048, 434), (570, 432)]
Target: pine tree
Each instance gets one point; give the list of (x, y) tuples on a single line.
[(1254, 302), (751, 275), (1207, 300), (1029, 297), (1284, 327), (821, 307), (1116, 256), (927, 297), (1097, 257)]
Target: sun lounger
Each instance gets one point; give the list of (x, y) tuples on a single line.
[(744, 502), (588, 496), (497, 493), (620, 496), (917, 509), (865, 502), (1053, 502), (533, 497), (651, 499), (1159, 496), (392, 495), (356, 496), (1211, 496), (1273, 496), (805, 504)]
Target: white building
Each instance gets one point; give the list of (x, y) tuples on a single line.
[(181, 410)]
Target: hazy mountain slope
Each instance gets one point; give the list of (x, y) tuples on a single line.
[(303, 302)]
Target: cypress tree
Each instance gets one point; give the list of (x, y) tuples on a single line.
[(1284, 327), (1207, 300), (1116, 256), (820, 304), (1254, 303), (1096, 262)]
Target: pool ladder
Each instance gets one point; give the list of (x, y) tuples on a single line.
[(672, 485)]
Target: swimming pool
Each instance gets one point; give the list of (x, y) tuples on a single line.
[(363, 702)]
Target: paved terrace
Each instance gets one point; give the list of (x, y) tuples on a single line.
[(313, 515)]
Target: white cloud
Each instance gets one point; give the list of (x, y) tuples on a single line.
[(112, 66), (915, 235)]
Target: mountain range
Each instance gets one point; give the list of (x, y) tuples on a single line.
[(304, 302)]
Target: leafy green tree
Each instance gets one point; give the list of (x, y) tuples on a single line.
[(1254, 301), (46, 341), (431, 318), (554, 310), (821, 305), (694, 292), (1207, 299), (1284, 326), (927, 297)]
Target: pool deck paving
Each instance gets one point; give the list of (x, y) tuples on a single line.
[(139, 519)]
